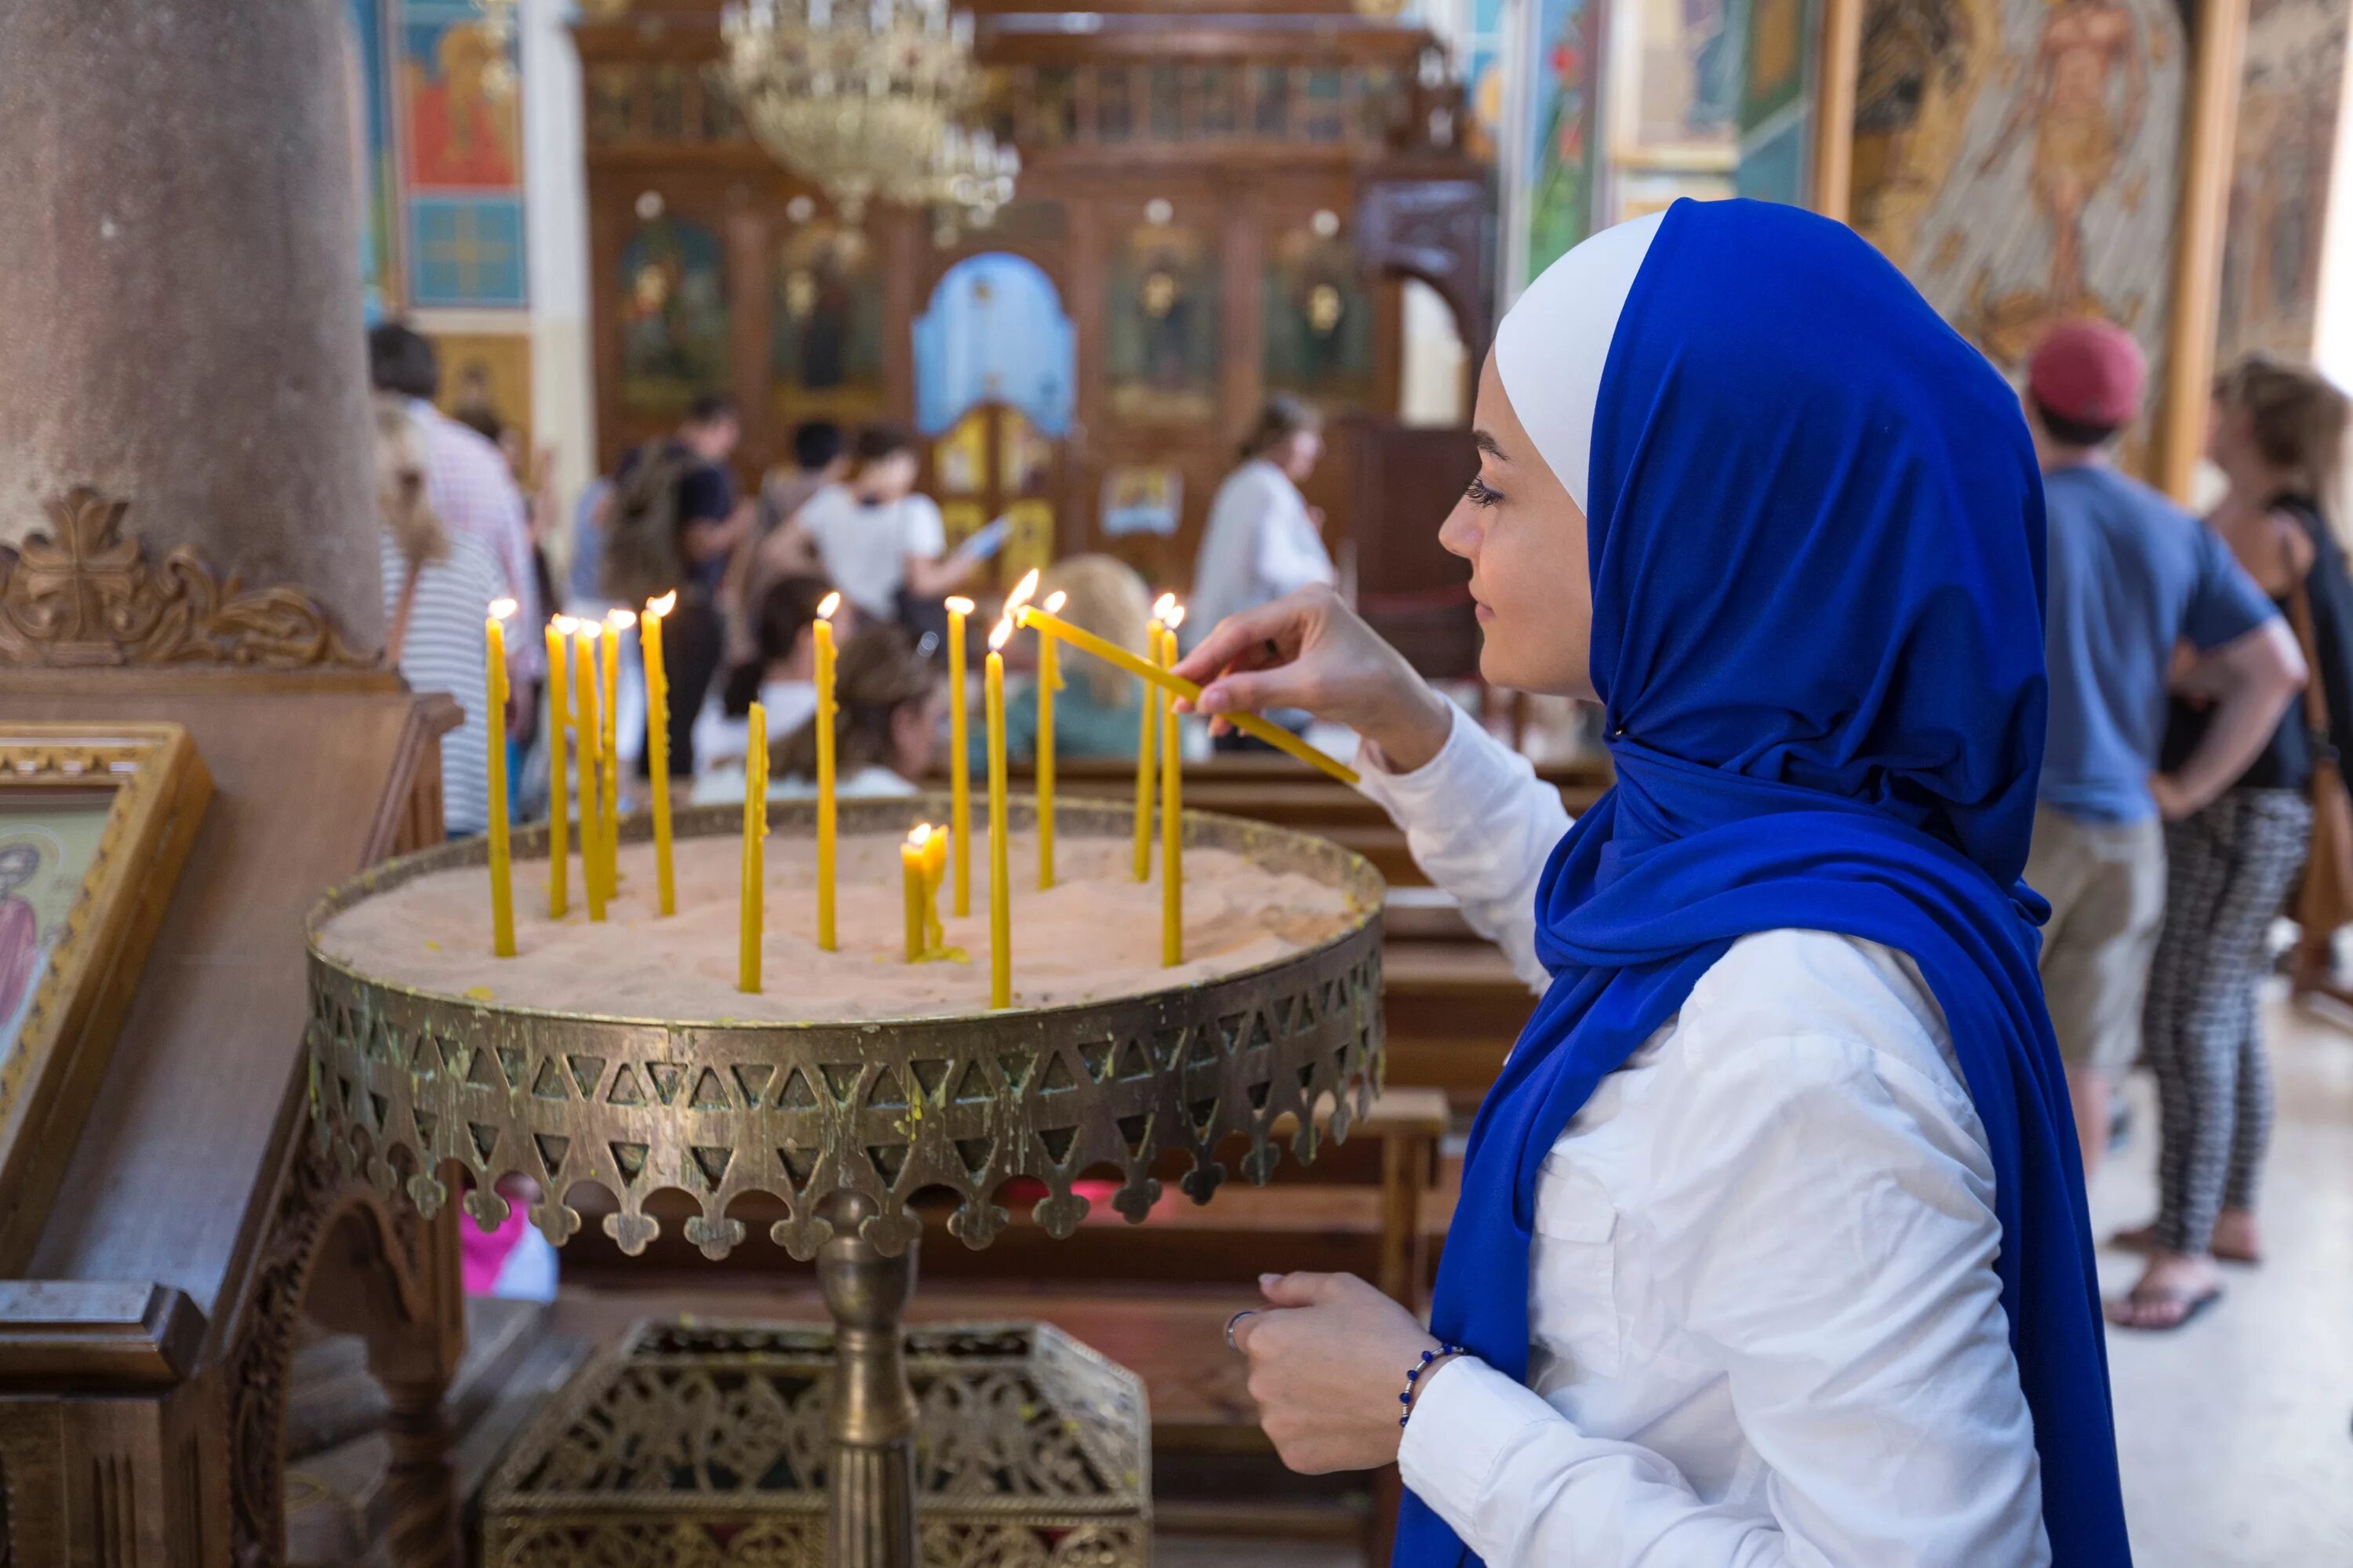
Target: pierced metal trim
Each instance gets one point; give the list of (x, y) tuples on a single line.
[(405, 1084)]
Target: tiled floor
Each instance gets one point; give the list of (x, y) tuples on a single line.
[(2236, 1432)]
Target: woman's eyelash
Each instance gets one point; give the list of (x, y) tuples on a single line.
[(1478, 493)]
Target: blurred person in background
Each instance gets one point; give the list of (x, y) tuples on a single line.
[(1262, 540)]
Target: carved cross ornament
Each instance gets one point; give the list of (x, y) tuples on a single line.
[(85, 594)]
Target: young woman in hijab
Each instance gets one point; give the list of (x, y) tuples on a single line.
[(1771, 1245)]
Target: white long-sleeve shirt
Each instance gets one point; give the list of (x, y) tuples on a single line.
[(1260, 543), (1764, 1322)]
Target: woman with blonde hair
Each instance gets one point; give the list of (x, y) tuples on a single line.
[(437, 587), (1096, 709), (2277, 433)]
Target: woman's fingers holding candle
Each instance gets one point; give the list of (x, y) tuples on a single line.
[(1310, 651), (1326, 1364)]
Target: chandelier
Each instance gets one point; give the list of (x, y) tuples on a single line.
[(867, 98)]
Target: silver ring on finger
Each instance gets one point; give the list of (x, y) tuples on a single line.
[(1234, 1322)]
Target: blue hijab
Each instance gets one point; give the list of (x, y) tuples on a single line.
[(1815, 535)]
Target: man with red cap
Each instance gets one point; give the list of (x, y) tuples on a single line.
[(2131, 578)]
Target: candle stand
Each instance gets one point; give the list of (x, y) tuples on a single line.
[(845, 1124)]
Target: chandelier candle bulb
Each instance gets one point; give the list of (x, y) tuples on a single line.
[(826, 803), (1000, 889), (1111, 653), (960, 760), (559, 896), (1049, 679), (587, 728), (1172, 807), (755, 829), (494, 721), (649, 648), (617, 621)]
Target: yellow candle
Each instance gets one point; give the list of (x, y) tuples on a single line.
[(1111, 653), (959, 758), (494, 716), (1049, 676), (617, 621), (935, 865), (912, 876), (1147, 736), (1000, 884), (587, 730), (649, 646), (756, 829), (1171, 848), (823, 631), (559, 897)]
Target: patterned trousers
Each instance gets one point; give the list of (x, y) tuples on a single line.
[(2229, 868)]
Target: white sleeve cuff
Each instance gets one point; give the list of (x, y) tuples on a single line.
[(1460, 761), (1465, 1422)]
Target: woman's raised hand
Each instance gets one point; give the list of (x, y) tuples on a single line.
[(1310, 651)]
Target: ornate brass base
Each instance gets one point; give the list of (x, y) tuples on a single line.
[(870, 1484), (718, 1445)]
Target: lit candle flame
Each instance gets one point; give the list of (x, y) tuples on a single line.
[(1163, 605), (920, 835), (996, 639), (620, 620), (1021, 591), (1055, 601), (501, 608), (663, 605), (1175, 618), (564, 625), (591, 630), (828, 605), (959, 605)]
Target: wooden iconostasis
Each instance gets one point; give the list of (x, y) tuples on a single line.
[(1182, 245)]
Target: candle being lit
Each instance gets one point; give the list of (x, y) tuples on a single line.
[(823, 631), (1048, 679), (1111, 653), (494, 719), (1172, 806), (755, 829), (587, 728), (559, 896), (616, 622), (650, 646), (1000, 888), (1148, 740), (959, 758)]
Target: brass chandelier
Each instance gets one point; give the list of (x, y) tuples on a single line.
[(867, 98)]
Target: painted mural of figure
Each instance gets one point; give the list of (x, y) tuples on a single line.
[(20, 934), (1907, 44), (464, 128), (2078, 137)]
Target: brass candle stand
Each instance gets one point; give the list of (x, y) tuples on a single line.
[(846, 1123)]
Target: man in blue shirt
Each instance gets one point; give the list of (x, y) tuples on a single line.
[(2131, 578)]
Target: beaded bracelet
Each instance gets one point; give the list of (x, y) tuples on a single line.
[(1414, 1375)]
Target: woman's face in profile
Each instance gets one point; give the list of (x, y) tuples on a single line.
[(1524, 539)]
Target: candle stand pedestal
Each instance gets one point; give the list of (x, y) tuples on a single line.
[(844, 1123)]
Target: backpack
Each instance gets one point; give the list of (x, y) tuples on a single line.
[(641, 555)]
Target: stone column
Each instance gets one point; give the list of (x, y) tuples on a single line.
[(180, 320)]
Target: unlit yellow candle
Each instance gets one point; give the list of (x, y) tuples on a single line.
[(1111, 653), (935, 865), (826, 804), (1172, 807), (1049, 676), (587, 728), (494, 718), (960, 760), (559, 896), (649, 646), (1000, 882), (912, 878), (755, 829), (617, 621)]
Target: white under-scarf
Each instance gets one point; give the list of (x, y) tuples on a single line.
[(1555, 343)]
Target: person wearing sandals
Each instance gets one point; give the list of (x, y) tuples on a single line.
[(1771, 1245), (2277, 433)]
